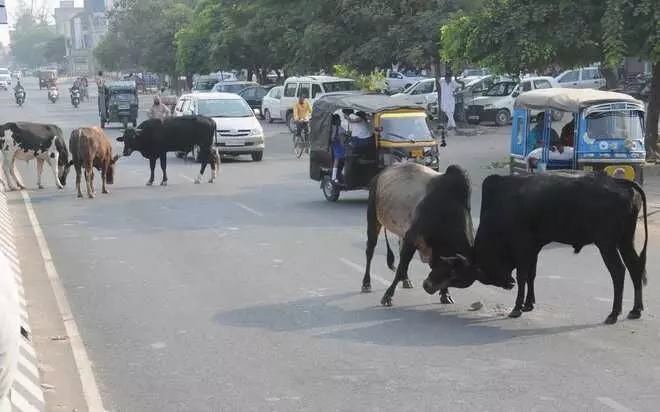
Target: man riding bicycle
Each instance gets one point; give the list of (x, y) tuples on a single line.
[(302, 111)]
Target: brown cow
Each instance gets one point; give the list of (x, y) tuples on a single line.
[(90, 148)]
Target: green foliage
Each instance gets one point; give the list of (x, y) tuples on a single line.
[(374, 81), (34, 42)]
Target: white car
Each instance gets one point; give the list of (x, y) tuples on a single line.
[(270, 105), (5, 76), (421, 93), (582, 78), (496, 104), (396, 81), (238, 129)]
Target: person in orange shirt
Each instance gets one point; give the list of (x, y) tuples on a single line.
[(302, 111)]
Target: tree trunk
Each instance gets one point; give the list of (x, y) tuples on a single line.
[(653, 115), (611, 78), (189, 81), (249, 74)]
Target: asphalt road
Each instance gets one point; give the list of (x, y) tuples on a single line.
[(243, 295)]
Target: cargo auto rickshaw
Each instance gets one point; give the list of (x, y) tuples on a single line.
[(47, 78), (399, 133), (118, 102), (604, 132)]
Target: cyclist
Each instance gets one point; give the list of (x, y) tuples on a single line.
[(302, 111)]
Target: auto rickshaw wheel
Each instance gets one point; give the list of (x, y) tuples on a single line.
[(330, 191)]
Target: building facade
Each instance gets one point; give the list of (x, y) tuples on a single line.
[(84, 28)]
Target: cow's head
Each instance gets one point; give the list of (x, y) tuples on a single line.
[(129, 138), (110, 174), (449, 271)]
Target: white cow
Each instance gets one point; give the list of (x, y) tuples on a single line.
[(27, 141)]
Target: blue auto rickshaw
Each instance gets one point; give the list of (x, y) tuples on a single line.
[(604, 131)]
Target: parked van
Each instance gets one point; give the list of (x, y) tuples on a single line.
[(312, 87), (496, 104)]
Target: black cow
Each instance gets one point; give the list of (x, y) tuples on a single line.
[(522, 214), (27, 141), (439, 225), (153, 138)]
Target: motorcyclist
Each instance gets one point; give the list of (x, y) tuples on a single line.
[(159, 110), (19, 88), (75, 87)]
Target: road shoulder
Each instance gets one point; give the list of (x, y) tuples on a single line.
[(59, 374)]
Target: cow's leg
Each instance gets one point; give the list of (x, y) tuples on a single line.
[(617, 270), (12, 168), (407, 253), (40, 170), (445, 298), (6, 167), (406, 283), (636, 270), (152, 167), (163, 167), (531, 297), (53, 163), (89, 176), (373, 231), (78, 168), (104, 174), (215, 164), (202, 169)]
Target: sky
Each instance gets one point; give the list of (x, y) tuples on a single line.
[(14, 5)]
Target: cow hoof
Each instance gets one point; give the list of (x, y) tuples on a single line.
[(635, 314), (366, 289), (516, 313), (611, 319), (197, 181), (106, 191), (150, 183), (211, 180), (163, 183), (407, 284), (80, 195), (446, 300), (527, 307), (386, 301), (91, 196)]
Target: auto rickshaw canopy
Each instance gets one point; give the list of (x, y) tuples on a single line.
[(327, 105), (571, 100)]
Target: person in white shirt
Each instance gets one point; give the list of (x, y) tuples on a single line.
[(447, 104), (358, 126)]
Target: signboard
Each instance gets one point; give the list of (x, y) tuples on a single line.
[(3, 12)]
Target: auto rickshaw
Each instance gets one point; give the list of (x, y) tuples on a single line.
[(604, 134), (400, 133), (118, 102), (47, 78)]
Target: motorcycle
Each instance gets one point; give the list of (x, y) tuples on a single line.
[(53, 95), (75, 98), (20, 97)]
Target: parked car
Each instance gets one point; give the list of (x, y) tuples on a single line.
[(238, 130), (469, 75), (313, 87), (253, 95), (496, 104), (232, 86), (397, 81), (422, 93), (204, 84), (5, 75), (582, 78), (270, 105)]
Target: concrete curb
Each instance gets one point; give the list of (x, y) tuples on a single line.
[(26, 393)]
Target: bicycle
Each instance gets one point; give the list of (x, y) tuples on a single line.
[(301, 140)]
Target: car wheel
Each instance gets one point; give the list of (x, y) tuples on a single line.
[(267, 116), (330, 191), (290, 123), (502, 117), (257, 156)]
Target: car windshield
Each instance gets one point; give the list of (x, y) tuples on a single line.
[(231, 87), (340, 86), (224, 108), (205, 84), (409, 128), (615, 125), (501, 89)]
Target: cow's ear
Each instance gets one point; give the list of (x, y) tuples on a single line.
[(115, 158), (70, 163), (120, 138)]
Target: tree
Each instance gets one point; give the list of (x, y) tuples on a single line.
[(33, 41), (511, 36)]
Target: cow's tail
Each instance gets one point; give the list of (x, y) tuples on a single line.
[(642, 255), (390, 254)]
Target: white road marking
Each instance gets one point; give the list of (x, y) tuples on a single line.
[(249, 209), (84, 365), (361, 269), (158, 345), (613, 404), (188, 178)]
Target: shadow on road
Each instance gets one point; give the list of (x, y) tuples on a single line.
[(413, 326)]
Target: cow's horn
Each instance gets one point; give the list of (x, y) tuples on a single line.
[(448, 258), (461, 257)]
